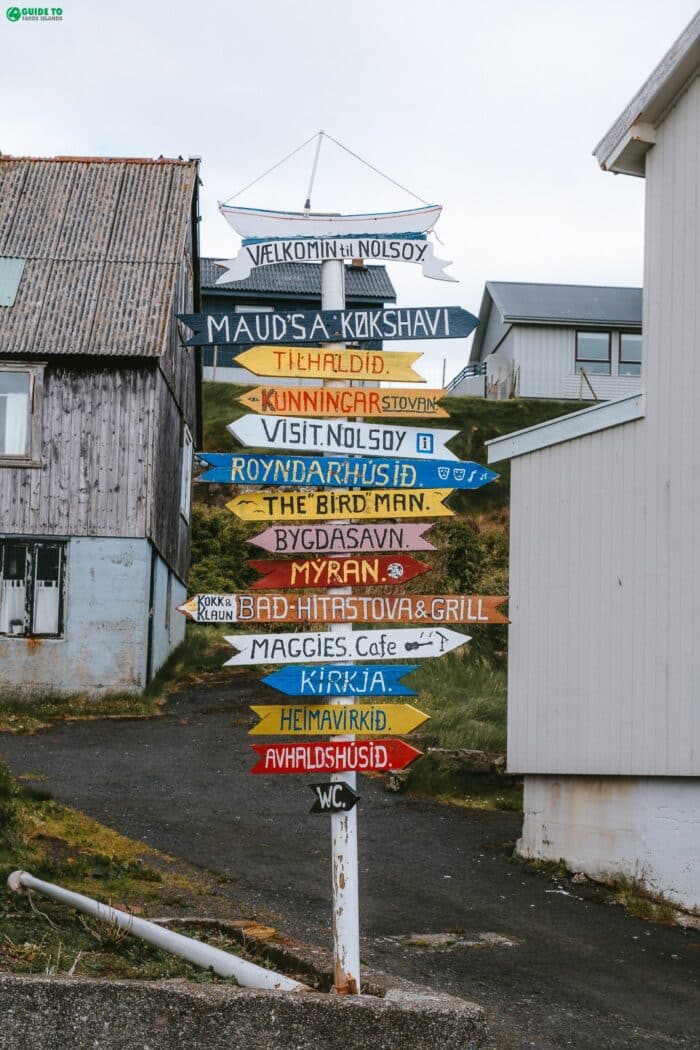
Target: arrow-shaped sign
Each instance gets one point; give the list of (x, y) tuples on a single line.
[(336, 719), (337, 435), (342, 680), (345, 608), (342, 539), (246, 468), (330, 326), (335, 796), (336, 504), (318, 401), (365, 570), (321, 646), (334, 756), (301, 362)]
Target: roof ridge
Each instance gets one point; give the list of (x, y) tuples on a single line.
[(559, 284), (60, 159)]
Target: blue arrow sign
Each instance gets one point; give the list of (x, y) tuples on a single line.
[(343, 472), (342, 680), (328, 326)]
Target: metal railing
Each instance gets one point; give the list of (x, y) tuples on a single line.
[(470, 371)]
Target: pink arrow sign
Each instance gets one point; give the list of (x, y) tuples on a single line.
[(334, 756), (343, 539)]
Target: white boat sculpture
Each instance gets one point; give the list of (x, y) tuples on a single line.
[(259, 223)]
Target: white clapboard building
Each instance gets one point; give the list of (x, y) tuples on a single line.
[(604, 665), (565, 341)]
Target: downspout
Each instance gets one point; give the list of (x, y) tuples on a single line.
[(247, 974)]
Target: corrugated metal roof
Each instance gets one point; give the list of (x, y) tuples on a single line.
[(367, 282), (560, 303), (103, 238)]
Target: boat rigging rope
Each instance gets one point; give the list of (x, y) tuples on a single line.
[(319, 135)]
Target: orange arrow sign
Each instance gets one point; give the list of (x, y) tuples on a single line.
[(332, 402)]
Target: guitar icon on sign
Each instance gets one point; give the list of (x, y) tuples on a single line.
[(411, 646)]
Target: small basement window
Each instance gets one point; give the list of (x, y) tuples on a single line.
[(32, 577), (20, 395), (630, 353), (593, 352)]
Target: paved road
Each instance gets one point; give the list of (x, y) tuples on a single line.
[(563, 968)]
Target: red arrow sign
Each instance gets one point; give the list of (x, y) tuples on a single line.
[(334, 756), (366, 570)]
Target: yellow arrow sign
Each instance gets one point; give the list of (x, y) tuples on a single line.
[(337, 505), (371, 402), (337, 719), (309, 362)]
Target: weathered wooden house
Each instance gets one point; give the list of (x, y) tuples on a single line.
[(282, 286), (604, 662), (99, 407), (555, 340)]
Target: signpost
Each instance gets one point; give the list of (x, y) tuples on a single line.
[(342, 645), (331, 720), (342, 539), (395, 471), (367, 569), (334, 756), (343, 680), (327, 326), (345, 608), (334, 796), (318, 401), (300, 362), (320, 506), (247, 468), (326, 435)]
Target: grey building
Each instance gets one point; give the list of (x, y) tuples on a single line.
[(555, 340), (99, 408), (282, 286)]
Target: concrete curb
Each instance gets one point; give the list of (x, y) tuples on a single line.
[(51, 1013)]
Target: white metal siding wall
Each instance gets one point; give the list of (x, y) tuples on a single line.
[(604, 665), (545, 358)]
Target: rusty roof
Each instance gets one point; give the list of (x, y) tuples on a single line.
[(102, 239)]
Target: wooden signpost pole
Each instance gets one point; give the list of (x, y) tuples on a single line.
[(344, 864)]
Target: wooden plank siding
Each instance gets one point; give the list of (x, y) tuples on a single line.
[(96, 428), (604, 665)]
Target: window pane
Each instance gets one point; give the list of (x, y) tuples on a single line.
[(186, 475), (13, 587), (14, 413), (47, 590), (593, 346), (630, 349), (593, 367)]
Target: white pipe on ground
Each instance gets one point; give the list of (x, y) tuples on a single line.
[(247, 974)]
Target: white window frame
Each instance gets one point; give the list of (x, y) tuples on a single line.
[(186, 473), (31, 458)]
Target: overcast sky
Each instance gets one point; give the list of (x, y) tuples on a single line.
[(490, 109)]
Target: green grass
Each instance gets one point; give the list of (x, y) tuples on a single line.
[(466, 701)]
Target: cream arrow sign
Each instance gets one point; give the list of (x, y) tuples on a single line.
[(333, 435)]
